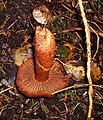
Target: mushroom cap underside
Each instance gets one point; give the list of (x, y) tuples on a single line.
[(30, 87)]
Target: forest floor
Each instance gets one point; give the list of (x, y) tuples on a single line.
[(17, 28)]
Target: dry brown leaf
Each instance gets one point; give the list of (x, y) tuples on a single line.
[(21, 54), (74, 68), (96, 72), (42, 14)]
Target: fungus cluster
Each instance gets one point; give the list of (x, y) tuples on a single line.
[(42, 75)]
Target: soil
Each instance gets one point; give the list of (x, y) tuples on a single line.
[(17, 23)]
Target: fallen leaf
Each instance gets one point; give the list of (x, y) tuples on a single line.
[(22, 53), (42, 14)]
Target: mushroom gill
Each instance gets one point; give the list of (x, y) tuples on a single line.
[(42, 76)]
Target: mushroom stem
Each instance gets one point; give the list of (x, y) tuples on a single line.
[(44, 50), (42, 74)]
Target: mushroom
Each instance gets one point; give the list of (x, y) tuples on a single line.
[(42, 76)]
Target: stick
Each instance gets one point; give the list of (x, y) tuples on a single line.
[(97, 42), (7, 89), (71, 87), (77, 86), (87, 31)]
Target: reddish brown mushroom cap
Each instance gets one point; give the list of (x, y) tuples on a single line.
[(29, 86)]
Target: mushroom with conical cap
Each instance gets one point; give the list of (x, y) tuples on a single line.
[(44, 76)]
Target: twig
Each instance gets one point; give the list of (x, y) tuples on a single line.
[(68, 9), (96, 26), (71, 87), (97, 42), (70, 30), (87, 31), (12, 24), (10, 87), (77, 86), (99, 33)]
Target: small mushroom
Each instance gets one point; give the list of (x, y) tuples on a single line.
[(42, 76)]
